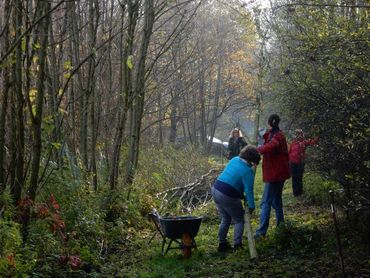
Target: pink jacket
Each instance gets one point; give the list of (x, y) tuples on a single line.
[(297, 150)]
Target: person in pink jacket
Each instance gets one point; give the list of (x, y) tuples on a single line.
[(297, 155)]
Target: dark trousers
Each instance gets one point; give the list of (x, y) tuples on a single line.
[(297, 178)]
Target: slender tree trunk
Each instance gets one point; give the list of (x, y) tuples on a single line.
[(5, 43), (37, 117), (202, 100), (217, 96), (173, 119), (125, 97), (16, 188), (138, 107), (93, 25)]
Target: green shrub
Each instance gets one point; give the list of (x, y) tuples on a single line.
[(293, 235), (10, 237), (317, 188)]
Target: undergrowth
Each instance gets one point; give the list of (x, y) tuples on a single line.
[(83, 233)]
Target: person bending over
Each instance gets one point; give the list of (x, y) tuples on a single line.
[(228, 191)]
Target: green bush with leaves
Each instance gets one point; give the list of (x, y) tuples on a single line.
[(317, 188), (320, 75), (296, 237)]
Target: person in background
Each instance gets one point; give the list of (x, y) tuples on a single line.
[(275, 171), (236, 179), (297, 151), (236, 143)]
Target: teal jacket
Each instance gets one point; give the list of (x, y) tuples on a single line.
[(240, 175)]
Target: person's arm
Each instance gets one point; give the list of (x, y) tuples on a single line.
[(248, 181), (270, 146), (311, 142), (242, 142), (230, 145)]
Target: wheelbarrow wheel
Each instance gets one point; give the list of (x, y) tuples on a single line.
[(187, 241)]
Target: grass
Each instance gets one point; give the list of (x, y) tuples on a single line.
[(304, 247)]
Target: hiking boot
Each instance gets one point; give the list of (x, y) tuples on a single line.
[(238, 246), (224, 247)]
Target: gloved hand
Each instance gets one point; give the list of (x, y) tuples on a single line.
[(251, 210)]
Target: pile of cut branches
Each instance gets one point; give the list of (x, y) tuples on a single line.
[(189, 196)]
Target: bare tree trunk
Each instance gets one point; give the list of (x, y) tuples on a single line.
[(139, 92), (125, 96), (37, 117), (93, 26), (202, 100), (16, 188), (73, 60), (4, 101), (160, 117), (173, 118), (217, 95), (259, 90)]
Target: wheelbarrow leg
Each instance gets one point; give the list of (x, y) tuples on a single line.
[(195, 244), (163, 243), (187, 243), (153, 236), (168, 247)]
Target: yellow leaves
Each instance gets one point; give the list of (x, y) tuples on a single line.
[(23, 44), (33, 110), (62, 111), (36, 46), (32, 95), (129, 62), (67, 65), (56, 145)]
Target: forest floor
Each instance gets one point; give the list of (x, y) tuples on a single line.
[(304, 247)]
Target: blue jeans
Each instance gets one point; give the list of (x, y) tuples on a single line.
[(229, 209), (271, 197), (297, 178)]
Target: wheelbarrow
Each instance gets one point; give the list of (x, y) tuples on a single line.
[(179, 229)]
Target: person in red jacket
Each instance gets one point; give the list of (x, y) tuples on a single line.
[(297, 151), (275, 170)]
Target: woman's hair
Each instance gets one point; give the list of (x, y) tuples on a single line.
[(236, 130), (274, 120), (250, 154)]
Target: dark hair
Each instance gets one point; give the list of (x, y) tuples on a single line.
[(274, 120), (250, 154)]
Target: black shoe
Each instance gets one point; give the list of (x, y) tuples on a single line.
[(238, 246), (224, 247)]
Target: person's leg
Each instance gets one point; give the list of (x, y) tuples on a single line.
[(225, 224), (265, 210), (300, 178), (225, 217), (234, 208), (277, 202), (295, 178)]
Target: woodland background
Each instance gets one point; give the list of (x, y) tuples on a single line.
[(106, 105)]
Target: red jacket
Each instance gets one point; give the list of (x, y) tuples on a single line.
[(275, 166), (297, 150)]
